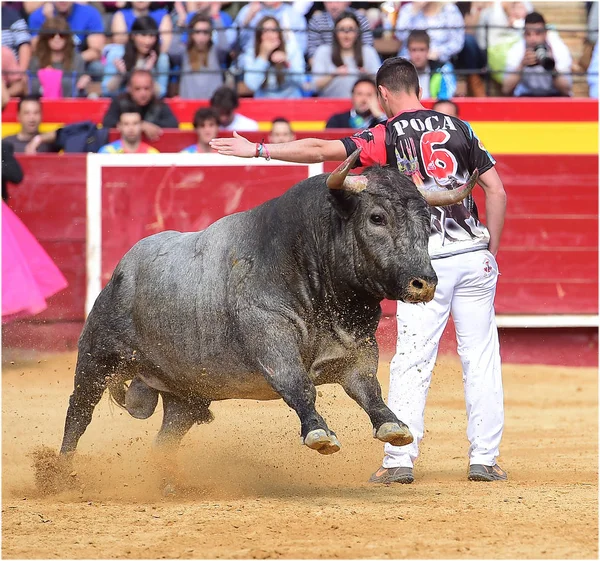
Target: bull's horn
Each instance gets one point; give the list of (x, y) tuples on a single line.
[(453, 196), (338, 179)]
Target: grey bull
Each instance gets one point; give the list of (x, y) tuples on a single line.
[(263, 304)]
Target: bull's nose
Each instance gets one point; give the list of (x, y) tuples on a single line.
[(421, 289)]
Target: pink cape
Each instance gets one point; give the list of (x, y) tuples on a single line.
[(29, 276)]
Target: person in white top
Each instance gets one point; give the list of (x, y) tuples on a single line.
[(539, 65), (225, 102)]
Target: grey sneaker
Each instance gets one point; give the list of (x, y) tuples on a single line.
[(479, 472), (393, 475)]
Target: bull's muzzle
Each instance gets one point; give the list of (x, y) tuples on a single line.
[(420, 289)]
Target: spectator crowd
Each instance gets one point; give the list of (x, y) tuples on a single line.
[(285, 49)]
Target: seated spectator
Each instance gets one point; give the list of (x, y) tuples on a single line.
[(29, 115), (320, 26), (130, 127), (206, 125), (56, 68), (87, 23), (281, 131), (272, 68), (539, 65), (122, 23), (500, 27), (225, 102), (447, 107), (436, 78), (201, 72), (12, 75), (292, 22), (16, 36), (592, 73), (444, 23), (156, 114), (336, 67), (365, 112), (11, 169), (141, 51)]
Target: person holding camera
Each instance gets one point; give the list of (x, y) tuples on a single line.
[(539, 65)]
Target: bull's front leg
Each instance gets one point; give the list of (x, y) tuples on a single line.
[(292, 383), (362, 386)]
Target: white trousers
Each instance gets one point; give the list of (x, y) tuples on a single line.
[(466, 288)]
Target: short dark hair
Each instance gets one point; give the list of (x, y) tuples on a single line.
[(398, 74), (364, 80), (137, 72), (205, 114), (31, 97), (418, 36), (280, 120), (128, 106), (535, 17), (449, 101), (225, 99)]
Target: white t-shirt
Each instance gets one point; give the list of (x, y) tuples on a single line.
[(535, 80), (241, 123)]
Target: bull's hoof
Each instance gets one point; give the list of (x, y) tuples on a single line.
[(322, 442), (394, 434)]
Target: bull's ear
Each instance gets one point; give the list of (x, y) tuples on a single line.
[(344, 202)]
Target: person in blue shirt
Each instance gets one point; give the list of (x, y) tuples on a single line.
[(206, 125), (123, 20), (86, 21)]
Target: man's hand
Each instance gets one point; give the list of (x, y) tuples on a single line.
[(83, 82), (529, 58), (152, 131), (236, 146), (33, 145)]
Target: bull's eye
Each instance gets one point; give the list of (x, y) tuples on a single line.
[(377, 219)]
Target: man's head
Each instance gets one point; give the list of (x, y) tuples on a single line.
[(397, 78), (141, 87), (418, 48), (447, 107), (281, 131), (140, 6), (364, 92), (29, 114), (336, 8), (206, 124), (224, 101), (63, 8), (130, 122), (535, 30)]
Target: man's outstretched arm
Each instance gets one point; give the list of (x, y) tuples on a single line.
[(305, 151)]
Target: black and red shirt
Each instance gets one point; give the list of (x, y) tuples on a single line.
[(434, 150)]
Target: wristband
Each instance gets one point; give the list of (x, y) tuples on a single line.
[(257, 153)]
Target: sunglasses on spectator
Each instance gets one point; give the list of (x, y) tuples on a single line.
[(52, 34), (201, 31), (346, 30), (264, 29)]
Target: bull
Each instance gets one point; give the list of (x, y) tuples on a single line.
[(263, 304)]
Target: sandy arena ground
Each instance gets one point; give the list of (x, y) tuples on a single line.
[(250, 490)]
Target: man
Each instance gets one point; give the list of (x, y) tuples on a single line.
[(29, 139), (86, 22), (156, 114), (539, 65), (130, 127), (447, 107), (12, 75), (365, 112), (206, 125), (281, 131), (431, 149), (320, 26), (225, 102), (437, 79)]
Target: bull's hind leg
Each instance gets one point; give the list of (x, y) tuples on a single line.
[(179, 415), (364, 388), (91, 379)]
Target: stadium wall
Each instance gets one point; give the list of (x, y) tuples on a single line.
[(549, 257)]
